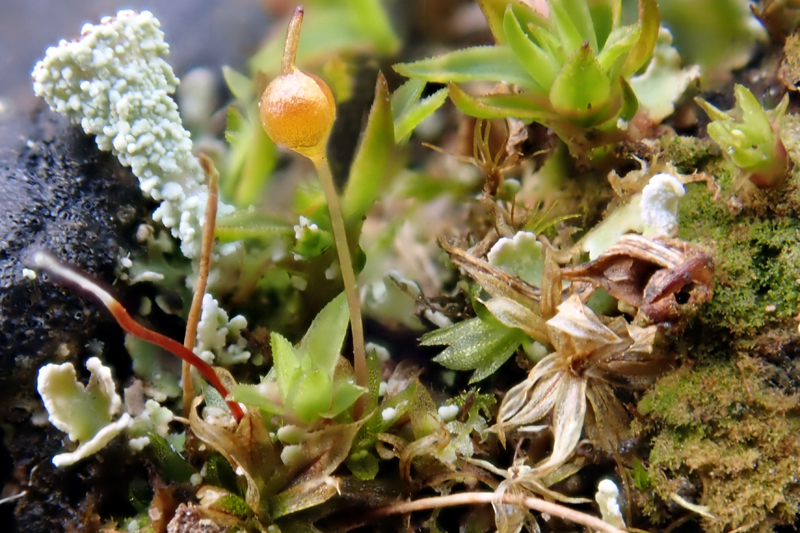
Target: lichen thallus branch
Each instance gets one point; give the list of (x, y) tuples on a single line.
[(49, 263), (297, 112)]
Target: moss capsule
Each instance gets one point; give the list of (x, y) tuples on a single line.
[(297, 109)]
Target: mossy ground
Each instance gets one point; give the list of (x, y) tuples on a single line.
[(723, 428)]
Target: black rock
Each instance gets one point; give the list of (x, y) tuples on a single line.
[(58, 193)]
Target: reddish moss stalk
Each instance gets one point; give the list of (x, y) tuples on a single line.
[(49, 263)]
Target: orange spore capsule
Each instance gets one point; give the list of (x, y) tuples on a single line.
[(297, 109)]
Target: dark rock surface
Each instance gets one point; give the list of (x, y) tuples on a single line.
[(60, 194)]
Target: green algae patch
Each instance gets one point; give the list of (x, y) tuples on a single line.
[(726, 439), (757, 263)]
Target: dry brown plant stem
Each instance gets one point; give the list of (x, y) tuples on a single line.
[(474, 498), (202, 278)]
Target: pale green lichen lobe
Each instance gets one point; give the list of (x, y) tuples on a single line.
[(83, 412)]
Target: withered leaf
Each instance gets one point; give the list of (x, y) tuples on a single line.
[(649, 273), (311, 468)]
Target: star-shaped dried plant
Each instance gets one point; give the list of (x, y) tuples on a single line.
[(590, 357)]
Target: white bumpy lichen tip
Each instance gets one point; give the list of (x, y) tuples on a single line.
[(607, 499), (659, 205), (115, 83)]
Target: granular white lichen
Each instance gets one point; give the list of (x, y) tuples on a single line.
[(219, 339), (154, 418), (448, 412), (659, 205), (652, 212), (607, 499), (114, 81)]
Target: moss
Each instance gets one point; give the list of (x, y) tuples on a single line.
[(687, 153), (724, 427), (757, 263)]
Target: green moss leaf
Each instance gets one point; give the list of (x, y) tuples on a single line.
[(257, 396), (573, 22), (345, 394), (252, 157), (372, 164), (169, 463), (614, 54), (480, 63), (312, 394), (541, 66), (414, 114), (650, 22), (250, 225), (606, 16), (581, 89), (406, 96), (241, 86), (287, 364), (220, 473), (525, 106), (494, 11), (475, 344), (323, 341)]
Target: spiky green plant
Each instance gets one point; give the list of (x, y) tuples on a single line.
[(567, 70), (749, 135)]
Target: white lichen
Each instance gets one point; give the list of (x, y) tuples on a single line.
[(652, 212), (380, 352), (115, 82), (218, 338), (85, 413), (389, 414), (607, 499), (138, 444), (155, 418), (664, 81), (520, 256), (659, 205), (448, 412)]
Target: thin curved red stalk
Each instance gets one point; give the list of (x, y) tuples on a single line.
[(47, 262)]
